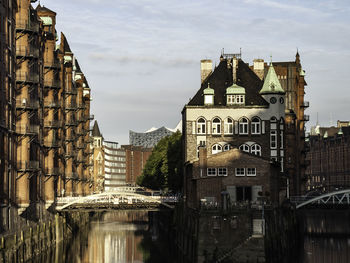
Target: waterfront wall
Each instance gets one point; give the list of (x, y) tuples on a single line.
[(33, 239)]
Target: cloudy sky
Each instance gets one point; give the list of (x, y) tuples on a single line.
[(141, 57)]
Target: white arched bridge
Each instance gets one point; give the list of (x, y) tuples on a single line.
[(123, 198), (341, 197)]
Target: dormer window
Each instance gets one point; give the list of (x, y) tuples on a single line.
[(235, 95), (208, 95)]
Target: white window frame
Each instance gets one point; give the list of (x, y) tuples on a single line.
[(240, 171), (208, 99), (243, 126), (256, 149), (228, 126), (244, 148), (256, 126), (251, 171), (230, 99), (216, 126), (218, 148), (222, 171), (201, 126), (211, 171), (273, 139)]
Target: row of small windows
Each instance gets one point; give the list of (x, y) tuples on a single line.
[(254, 149), (242, 126), (222, 171)]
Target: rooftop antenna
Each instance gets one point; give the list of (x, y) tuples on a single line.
[(317, 119), (240, 52), (270, 59)]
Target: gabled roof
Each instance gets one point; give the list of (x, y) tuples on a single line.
[(66, 47), (43, 9), (222, 78), (96, 130), (271, 83)]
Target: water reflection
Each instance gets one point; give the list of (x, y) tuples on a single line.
[(117, 237)]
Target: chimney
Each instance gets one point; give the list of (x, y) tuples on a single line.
[(206, 68), (234, 69), (202, 160), (258, 67)]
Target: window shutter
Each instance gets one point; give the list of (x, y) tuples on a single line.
[(236, 127), (263, 127), (231, 189), (255, 192), (193, 127)]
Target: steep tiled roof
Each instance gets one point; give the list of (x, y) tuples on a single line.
[(65, 43), (96, 130), (222, 78), (271, 83)]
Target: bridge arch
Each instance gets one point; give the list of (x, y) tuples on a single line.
[(336, 197)]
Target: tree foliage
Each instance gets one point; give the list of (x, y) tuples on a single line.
[(163, 169)]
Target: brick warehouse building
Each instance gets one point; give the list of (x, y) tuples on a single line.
[(45, 113), (329, 158)]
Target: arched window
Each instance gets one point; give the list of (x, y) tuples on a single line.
[(201, 126), (216, 148), (228, 126), (227, 147), (216, 126), (243, 126), (256, 126), (244, 148), (256, 149)]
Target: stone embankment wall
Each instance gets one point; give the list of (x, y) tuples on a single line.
[(34, 239)]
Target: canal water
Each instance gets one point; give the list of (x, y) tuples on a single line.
[(131, 236), (117, 237)]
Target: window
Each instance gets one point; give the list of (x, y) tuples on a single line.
[(256, 126), (256, 149), (208, 99), (222, 171), (273, 139), (201, 126), (228, 126), (227, 147), (244, 193), (216, 148), (244, 148), (239, 99), (211, 171), (216, 126), (251, 171), (243, 126), (240, 172), (230, 99)]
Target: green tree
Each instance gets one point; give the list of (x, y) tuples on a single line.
[(163, 169)]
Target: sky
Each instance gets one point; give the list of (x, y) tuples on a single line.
[(142, 58)]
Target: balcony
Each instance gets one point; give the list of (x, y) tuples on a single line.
[(70, 138), (70, 154), (23, 76), (71, 106), (52, 124), (81, 145), (52, 104), (27, 104), (27, 129), (27, 51), (55, 171), (306, 118), (72, 176), (52, 143), (91, 117), (71, 122), (71, 90), (27, 25), (305, 104), (52, 64), (51, 83), (80, 132), (80, 105), (80, 160), (27, 166)]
